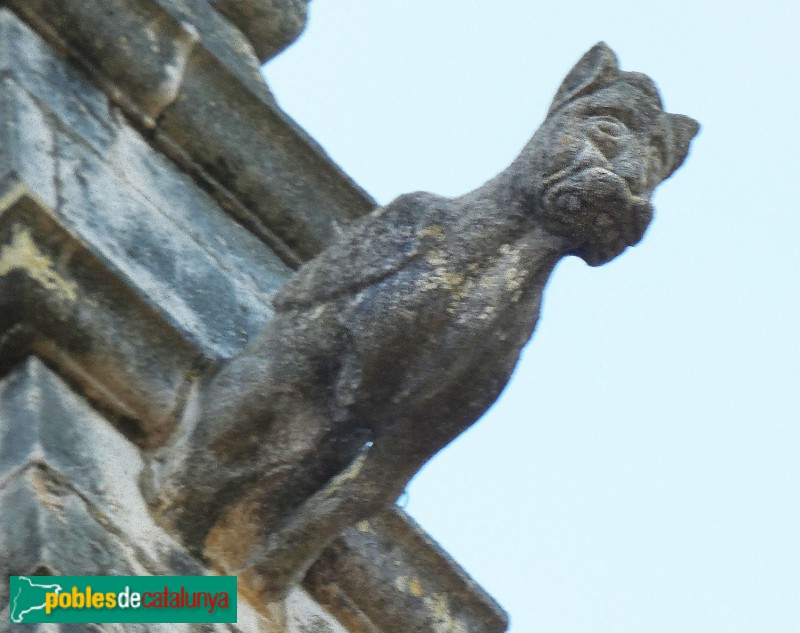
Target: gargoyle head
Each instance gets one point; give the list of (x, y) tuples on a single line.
[(604, 147)]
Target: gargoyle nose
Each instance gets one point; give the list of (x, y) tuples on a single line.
[(591, 156), (631, 166)]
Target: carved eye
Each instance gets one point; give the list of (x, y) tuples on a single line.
[(607, 133), (608, 126)]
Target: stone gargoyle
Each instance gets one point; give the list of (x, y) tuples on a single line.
[(400, 335)]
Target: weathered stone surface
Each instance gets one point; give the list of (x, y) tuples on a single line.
[(72, 506), (56, 453), (128, 160), (304, 615), (105, 33), (26, 147), (270, 25), (76, 313), (274, 170), (256, 270), (398, 337), (108, 337), (163, 269), (386, 574), (57, 86), (53, 529), (125, 282), (157, 257), (62, 470), (191, 78), (223, 41)]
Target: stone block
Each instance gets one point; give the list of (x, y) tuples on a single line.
[(27, 147), (223, 40), (62, 461), (180, 278), (279, 174), (192, 75), (102, 31), (55, 84), (237, 251), (74, 311)]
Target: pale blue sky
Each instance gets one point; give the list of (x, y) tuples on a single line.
[(642, 470)]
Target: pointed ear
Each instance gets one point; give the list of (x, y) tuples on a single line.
[(597, 68), (682, 130)]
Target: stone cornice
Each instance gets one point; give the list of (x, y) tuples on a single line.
[(387, 574), (191, 80)]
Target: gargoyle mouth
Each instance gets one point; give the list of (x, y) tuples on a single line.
[(599, 203)]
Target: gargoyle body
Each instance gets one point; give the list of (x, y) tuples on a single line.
[(399, 336)]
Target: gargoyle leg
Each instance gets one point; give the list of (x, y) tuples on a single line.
[(369, 484)]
